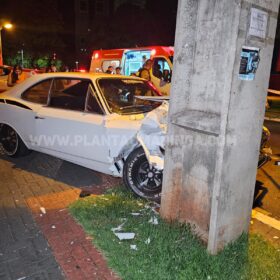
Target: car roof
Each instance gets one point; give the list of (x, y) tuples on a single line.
[(16, 90)]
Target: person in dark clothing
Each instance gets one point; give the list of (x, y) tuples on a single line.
[(109, 70), (145, 71)]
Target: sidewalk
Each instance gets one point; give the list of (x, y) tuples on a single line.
[(268, 227), (38, 237)]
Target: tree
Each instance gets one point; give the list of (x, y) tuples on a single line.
[(37, 28)]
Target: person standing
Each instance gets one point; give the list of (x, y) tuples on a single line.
[(118, 71), (16, 76), (109, 70), (144, 72)]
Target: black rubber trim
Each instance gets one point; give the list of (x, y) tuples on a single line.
[(15, 103), (2, 101), (118, 167)]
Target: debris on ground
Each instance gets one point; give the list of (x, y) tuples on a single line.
[(153, 221), (118, 228), (43, 210), (135, 214), (133, 247), (148, 241), (125, 235)]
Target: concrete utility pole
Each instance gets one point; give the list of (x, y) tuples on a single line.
[(218, 107)]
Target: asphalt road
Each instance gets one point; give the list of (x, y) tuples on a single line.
[(268, 177), (274, 128)]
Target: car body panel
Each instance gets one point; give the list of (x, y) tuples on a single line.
[(96, 141)]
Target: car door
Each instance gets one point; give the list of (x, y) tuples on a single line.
[(23, 115), (68, 129), (161, 74)]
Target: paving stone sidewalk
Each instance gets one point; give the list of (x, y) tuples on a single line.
[(38, 238)]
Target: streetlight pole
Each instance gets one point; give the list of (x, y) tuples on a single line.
[(1, 55)]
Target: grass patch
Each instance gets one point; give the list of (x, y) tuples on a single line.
[(173, 252)]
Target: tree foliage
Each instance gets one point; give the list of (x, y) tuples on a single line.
[(37, 29)]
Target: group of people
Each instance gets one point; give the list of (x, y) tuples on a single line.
[(145, 71), (110, 70)]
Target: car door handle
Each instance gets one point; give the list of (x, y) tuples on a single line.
[(39, 118)]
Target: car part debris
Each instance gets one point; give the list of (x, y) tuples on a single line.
[(125, 235), (133, 247), (153, 221), (148, 241)]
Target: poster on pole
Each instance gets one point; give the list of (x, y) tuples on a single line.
[(249, 61)]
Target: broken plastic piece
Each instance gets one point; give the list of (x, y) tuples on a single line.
[(125, 235), (118, 228), (135, 214), (133, 247), (153, 221)]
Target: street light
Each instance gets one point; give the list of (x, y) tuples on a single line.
[(6, 25)]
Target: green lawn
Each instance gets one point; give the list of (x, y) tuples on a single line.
[(173, 252)]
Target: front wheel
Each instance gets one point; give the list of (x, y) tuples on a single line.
[(142, 178)]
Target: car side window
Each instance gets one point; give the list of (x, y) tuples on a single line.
[(69, 94), (93, 104), (38, 93), (161, 67)]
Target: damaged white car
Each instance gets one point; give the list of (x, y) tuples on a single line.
[(108, 123)]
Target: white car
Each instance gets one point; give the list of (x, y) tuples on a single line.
[(89, 119)]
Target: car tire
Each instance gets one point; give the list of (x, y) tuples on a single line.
[(144, 180), (11, 143)]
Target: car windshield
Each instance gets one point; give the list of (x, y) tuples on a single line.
[(124, 95)]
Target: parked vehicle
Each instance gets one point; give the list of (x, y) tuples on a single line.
[(132, 59)]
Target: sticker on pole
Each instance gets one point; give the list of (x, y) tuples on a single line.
[(249, 61), (258, 23)]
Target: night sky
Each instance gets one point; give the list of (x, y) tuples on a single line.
[(45, 27)]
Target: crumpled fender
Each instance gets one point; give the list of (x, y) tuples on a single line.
[(150, 136)]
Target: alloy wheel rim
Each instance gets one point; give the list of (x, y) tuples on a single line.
[(149, 178), (9, 140)]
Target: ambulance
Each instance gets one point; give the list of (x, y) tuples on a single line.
[(132, 59)]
